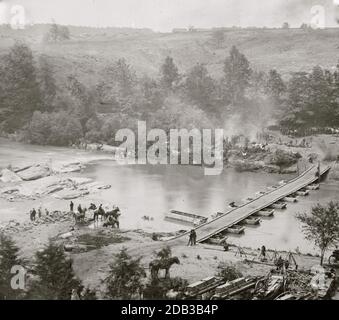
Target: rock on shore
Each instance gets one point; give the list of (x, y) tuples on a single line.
[(8, 176), (59, 187), (35, 172), (38, 180)]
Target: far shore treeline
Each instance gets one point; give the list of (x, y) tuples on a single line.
[(35, 108)]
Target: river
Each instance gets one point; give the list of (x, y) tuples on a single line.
[(145, 190)]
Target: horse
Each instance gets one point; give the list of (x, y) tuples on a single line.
[(164, 264), (113, 222), (114, 214), (100, 212), (92, 207), (80, 216)]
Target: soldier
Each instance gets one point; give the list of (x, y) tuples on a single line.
[(225, 244), (194, 237), (71, 206), (33, 214), (39, 212), (263, 253), (190, 240), (79, 208)]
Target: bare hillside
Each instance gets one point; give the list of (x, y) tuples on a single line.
[(90, 49)]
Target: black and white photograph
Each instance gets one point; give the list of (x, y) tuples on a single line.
[(173, 150)]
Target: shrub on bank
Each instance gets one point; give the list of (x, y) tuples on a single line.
[(228, 272), (57, 128), (284, 159)]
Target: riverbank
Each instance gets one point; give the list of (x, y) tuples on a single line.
[(93, 248), (134, 189)]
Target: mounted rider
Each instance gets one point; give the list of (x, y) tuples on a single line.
[(79, 208)]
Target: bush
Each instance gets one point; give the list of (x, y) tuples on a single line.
[(228, 272), (58, 128), (57, 33), (159, 289), (284, 159)]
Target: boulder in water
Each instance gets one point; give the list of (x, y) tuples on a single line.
[(80, 181), (8, 176), (21, 167), (67, 167), (34, 173)]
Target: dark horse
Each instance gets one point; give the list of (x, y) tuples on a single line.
[(100, 212), (111, 222), (164, 264), (115, 213), (112, 217)]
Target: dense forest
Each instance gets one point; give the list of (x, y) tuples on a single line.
[(39, 111)]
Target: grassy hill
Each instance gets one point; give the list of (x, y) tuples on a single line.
[(91, 49)]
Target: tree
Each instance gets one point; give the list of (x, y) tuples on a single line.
[(199, 87), (57, 128), (164, 253), (125, 277), (39, 129), (275, 86), (228, 272), (84, 100), (9, 253), (64, 33), (20, 91), (296, 102), (218, 38), (169, 73), (47, 83), (237, 73), (93, 128), (321, 226), (321, 98), (305, 26), (124, 75), (312, 100), (118, 87), (54, 275), (286, 25), (152, 97), (159, 289), (57, 33)]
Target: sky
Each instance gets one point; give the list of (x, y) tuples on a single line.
[(164, 15)]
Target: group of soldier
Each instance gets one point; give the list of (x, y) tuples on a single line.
[(34, 213)]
